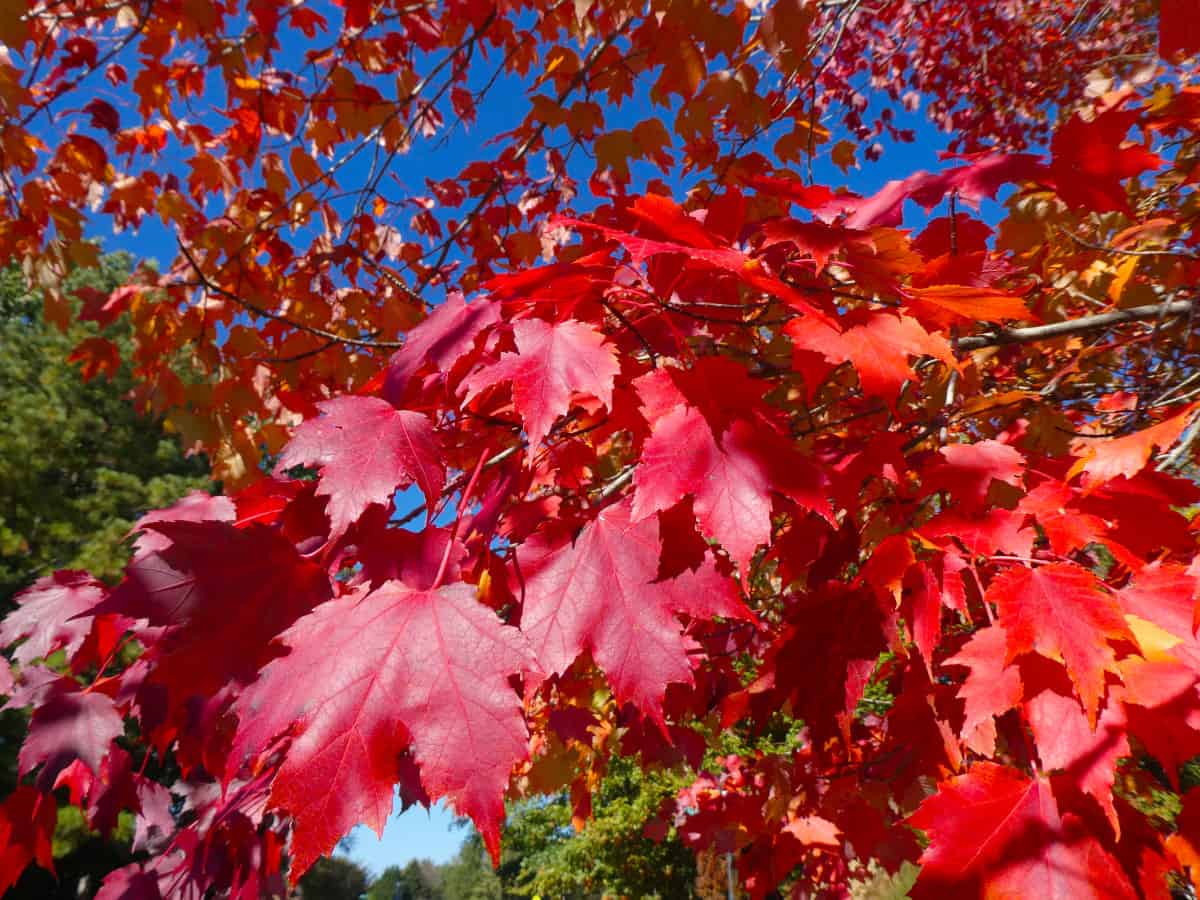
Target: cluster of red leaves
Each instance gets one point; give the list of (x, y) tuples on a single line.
[(266, 138), (715, 463)]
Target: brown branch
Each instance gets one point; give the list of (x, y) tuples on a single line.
[(1104, 248), (208, 284), (1082, 325)]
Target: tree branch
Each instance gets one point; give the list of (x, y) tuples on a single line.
[(278, 317), (1073, 326)]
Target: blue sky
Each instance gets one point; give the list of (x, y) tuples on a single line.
[(415, 834)]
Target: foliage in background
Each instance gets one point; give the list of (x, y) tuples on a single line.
[(544, 855), (78, 463), (334, 878)]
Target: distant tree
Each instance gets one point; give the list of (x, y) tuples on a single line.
[(78, 463), (469, 876), (419, 880), (612, 855), (334, 878)]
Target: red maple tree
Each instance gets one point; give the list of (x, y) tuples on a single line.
[(699, 441)]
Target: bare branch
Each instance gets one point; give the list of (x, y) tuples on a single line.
[(1073, 326), (279, 317)]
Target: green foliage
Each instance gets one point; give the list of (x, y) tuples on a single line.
[(419, 880), (544, 856), (469, 876), (77, 463), (334, 878)]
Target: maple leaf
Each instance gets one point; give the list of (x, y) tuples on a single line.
[(983, 534), (817, 239), (1067, 528), (67, 727), (730, 481), (992, 688), (878, 344), (950, 304), (997, 832), (414, 558), (1178, 29), (1067, 742), (27, 819), (1104, 460), (366, 449), (553, 363), (723, 258), (1060, 611), (194, 506), (1165, 595), (980, 178), (600, 594), (1088, 162), (442, 339), (104, 795), (51, 615), (1162, 704), (968, 470), (227, 591), (370, 674), (821, 664), (665, 215), (731, 487)]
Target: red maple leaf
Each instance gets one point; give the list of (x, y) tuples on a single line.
[(1178, 29), (68, 727), (729, 475), (195, 506), (600, 594), (1060, 611), (1103, 460), (996, 832), (1089, 162), (442, 339), (226, 591), (51, 615), (968, 470), (27, 819), (1067, 742), (370, 675), (553, 363), (878, 344), (366, 449), (992, 688)]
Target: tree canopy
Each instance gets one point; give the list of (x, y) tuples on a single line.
[(78, 463), (582, 389)]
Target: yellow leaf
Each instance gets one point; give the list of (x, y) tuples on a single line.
[(1124, 271), (1155, 642)]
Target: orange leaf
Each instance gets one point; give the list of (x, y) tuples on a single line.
[(949, 303), (1107, 459)]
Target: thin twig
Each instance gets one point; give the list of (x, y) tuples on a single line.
[(278, 317)]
